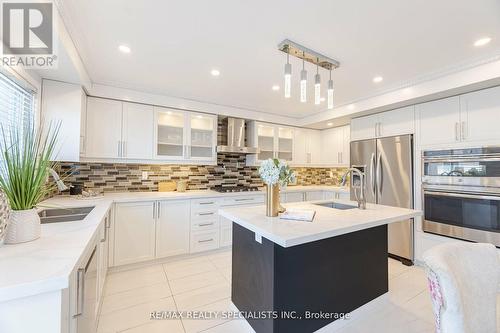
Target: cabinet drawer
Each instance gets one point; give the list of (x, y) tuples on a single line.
[(243, 200), (205, 225), (203, 215), (209, 204), (204, 241)]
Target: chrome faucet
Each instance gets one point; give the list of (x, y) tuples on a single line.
[(361, 198), (60, 184)]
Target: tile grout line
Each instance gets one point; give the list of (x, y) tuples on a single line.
[(173, 298)]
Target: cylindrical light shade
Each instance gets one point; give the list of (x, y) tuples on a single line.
[(303, 86), (317, 89), (288, 80), (330, 94)]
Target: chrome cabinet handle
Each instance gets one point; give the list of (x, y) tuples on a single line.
[(154, 210), (372, 173), (107, 224), (206, 203), (205, 224), (80, 286), (247, 199), (124, 148), (457, 132), (158, 207), (206, 240), (464, 130), (119, 148), (379, 173), (204, 214)]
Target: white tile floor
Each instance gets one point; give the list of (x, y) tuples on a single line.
[(203, 283)]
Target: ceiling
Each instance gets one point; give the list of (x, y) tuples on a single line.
[(175, 44)]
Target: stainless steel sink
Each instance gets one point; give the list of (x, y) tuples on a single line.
[(55, 215), (336, 205)]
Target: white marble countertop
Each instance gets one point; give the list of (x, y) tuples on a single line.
[(328, 222), (45, 264)]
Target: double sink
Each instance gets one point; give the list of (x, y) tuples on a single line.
[(55, 215)]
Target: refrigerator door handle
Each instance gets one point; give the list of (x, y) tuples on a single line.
[(379, 173), (372, 173)]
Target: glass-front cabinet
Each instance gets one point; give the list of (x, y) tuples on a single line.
[(185, 136), (273, 141)]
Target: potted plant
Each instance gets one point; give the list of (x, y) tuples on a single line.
[(275, 174), (25, 162)]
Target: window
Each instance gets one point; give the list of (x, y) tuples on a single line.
[(17, 106)]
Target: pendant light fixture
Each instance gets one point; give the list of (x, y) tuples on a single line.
[(330, 92), (303, 81), (288, 76), (319, 60), (317, 86)]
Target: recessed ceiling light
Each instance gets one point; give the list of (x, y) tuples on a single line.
[(199, 117), (351, 106), (124, 48), (215, 72), (276, 87), (482, 41), (330, 124), (378, 79), (322, 99)]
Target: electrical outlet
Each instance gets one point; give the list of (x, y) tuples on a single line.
[(145, 175)]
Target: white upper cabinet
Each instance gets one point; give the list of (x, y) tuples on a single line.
[(185, 136), (306, 146), (335, 146), (274, 141), (390, 123), (202, 138), (65, 104), (104, 128), (137, 136), (439, 121), (479, 113)]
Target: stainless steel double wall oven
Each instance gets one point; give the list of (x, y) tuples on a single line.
[(461, 193)]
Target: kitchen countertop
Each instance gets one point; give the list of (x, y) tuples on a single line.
[(45, 264), (328, 222)]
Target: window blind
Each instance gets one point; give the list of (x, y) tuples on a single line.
[(17, 106)]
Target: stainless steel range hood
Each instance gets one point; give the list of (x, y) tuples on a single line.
[(236, 138)]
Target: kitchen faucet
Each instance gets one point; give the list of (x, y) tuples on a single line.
[(60, 184), (361, 199)]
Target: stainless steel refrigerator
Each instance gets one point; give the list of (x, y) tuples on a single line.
[(388, 166)]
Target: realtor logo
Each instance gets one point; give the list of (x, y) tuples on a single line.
[(28, 34)]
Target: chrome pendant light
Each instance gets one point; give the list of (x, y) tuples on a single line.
[(330, 92), (317, 87), (288, 76), (303, 82)]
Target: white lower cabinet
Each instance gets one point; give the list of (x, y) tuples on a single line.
[(292, 196), (103, 255), (204, 225), (135, 232), (226, 231), (172, 228), (314, 195)]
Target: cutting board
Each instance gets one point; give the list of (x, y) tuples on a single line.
[(167, 186)]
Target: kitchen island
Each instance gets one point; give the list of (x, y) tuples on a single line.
[(294, 276)]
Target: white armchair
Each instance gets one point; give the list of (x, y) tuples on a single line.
[(463, 282)]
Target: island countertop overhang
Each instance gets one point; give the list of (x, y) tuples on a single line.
[(328, 222)]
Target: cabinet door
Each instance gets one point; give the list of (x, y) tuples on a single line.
[(314, 195), (284, 140), (439, 121), (397, 122), (138, 124), (479, 115), (104, 128), (301, 153), (294, 197), (134, 232), (364, 127), (172, 229), (330, 148), (346, 145), (170, 134), (265, 141), (202, 138), (314, 148)]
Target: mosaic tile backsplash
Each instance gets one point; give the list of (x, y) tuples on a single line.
[(230, 170)]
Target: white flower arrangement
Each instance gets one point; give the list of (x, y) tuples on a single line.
[(273, 171)]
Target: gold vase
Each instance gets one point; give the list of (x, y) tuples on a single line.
[(273, 206)]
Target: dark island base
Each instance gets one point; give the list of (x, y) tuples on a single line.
[(334, 275)]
